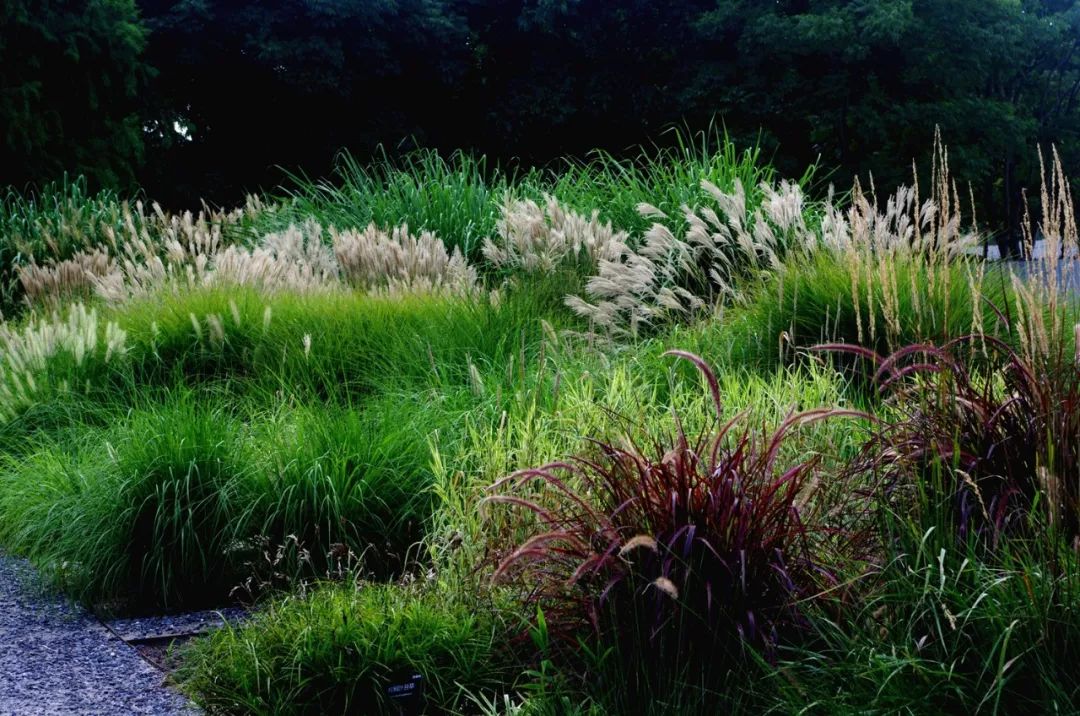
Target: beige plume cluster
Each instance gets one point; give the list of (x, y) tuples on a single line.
[(399, 262), (638, 285), (533, 238), (894, 252), (26, 351), (188, 251), (725, 245), (132, 252)]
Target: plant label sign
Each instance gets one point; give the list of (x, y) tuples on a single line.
[(406, 689)]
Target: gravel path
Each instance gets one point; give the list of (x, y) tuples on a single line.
[(55, 659)]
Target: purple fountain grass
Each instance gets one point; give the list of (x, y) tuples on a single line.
[(1003, 427), (705, 547)]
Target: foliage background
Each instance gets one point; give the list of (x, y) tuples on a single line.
[(102, 87)]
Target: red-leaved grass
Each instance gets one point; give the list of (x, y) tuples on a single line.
[(1002, 429), (685, 555)]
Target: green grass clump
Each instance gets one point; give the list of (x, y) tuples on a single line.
[(336, 649), (339, 348), (667, 178), (945, 628), (813, 302), (143, 510), (457, 198), (338, 345), (360, 478), (174, 504)]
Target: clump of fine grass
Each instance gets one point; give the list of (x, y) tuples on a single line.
[(942, 628), (337, 649), (165, 507), (57, 220), (331, 345), (47, 356), (334, 346), (537, 239), (455, 197), (822, 300), (665, 177), (294, 260), (348, 479), (141, 511), (61, 242)]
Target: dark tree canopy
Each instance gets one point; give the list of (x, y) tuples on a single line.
[(864, 83), (259, 83), (242, 87), (70, 75)]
